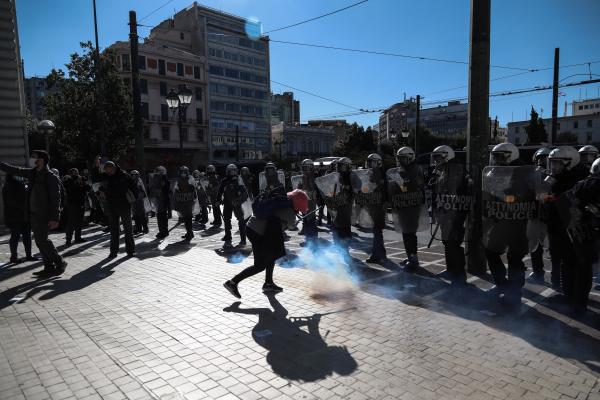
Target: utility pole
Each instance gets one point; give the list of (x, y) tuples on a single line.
[(478, 130), (98, 80), (418, 121), (135, 84), (555, 95)]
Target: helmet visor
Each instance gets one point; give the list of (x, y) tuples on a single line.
[(556, 166), (587, 158), (438, 158), (499, 158)]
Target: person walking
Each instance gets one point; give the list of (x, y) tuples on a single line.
[(14, 194), (43, 205), (140, 217), (76, 190), (160, 194), (120, 191), (273, 213)]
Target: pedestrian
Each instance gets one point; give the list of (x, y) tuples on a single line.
[(140, 215), (120, 191), (273, 213), (14, 194), (184, 198), (76, 189), (43, 205), (160, 194)]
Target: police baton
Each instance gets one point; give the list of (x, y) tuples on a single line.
[(433, 235)]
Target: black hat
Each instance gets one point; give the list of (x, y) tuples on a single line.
[(43, 155)]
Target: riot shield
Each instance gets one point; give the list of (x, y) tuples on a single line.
[(236, 192), (262, 179), (368, 196), (296, 181), (511, 199), (451, 200), (406, 194)]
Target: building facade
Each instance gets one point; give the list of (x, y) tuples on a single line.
[(586, 107), (339, 126), (284, 108), (584, 128), (162, 68), (35, 91), (238, 78), (302, 141)]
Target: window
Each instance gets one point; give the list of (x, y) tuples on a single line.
[(576, 125), (181, 35), (199, 118), (145, 111), (516, 129), (214, 70), (171, 67), (142, 62), (125, 62), (146, 132), (518, 141), (589, 123), (165, 134), (198, 92), (180, 69), (589, 137), (597, 105), (196, 72), (200, 135), (163, 88), (184, 134), (231, 90), (581, 107), (164, 112), (231, 73), (558, 126), (585, 107), (143, 86), (161, 67), (217, 106)]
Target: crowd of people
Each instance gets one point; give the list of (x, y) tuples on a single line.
[(557, 197)]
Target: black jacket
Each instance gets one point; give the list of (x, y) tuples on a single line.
[(116, 188), (14, 194), (76, 190)]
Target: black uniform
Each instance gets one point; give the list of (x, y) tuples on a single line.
[(14, 194), (118, 199), (233, 195), (76, 189), (340, 207), (213, 191)]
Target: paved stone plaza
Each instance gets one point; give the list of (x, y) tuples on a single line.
[(161, 326)]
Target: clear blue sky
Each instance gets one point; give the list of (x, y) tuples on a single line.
[(524, 34)]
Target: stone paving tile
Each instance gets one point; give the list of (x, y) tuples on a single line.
[(155, 326)]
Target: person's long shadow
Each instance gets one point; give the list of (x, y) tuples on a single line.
[(295, 354)]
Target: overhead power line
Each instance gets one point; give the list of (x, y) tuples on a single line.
[(315, 18), (156, 10), (389, 54), (316, 95)]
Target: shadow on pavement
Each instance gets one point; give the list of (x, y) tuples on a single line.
[(293, 353), (13, 295)]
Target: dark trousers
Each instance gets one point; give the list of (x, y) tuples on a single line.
[(537, 260), (228, 210), (49, 254), (141, 222), (378, 250), (162, 221), (18, 231), (188, 223), (563, 258), (410, 243), (455, 258), (124, 215), (216, 210), (255, 269), (74, 221), (342, 235), (309, 226), (515, 279)]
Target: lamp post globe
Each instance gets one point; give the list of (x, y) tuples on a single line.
[(172, 99), (185, 96)]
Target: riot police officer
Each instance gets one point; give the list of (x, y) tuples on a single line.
[(309, 223), (202, 216), (233, 193), (140, 217), (586, 196), (452, 201), (562, 176), (269, 180), (509, 202), (212, 189), (540, 160), (160, 192), (248, 181), (184, 198), (588, 154), (406, 185), (376, 208)]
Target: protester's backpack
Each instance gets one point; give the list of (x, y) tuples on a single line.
[(266, 204)]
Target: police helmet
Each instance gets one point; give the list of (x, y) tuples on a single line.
[(270, 165), (307, 165), (210, 169), (161, 170), (442, 154), (595, 168), (504, 154), (374, 160), (196, 173), (245, 171), (405, 156), (541, 153), (231, 170), (184, 171), (588, 154), (563, 157), (135, 173), (343, 164)]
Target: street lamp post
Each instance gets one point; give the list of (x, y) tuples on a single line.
[(47, 127), (179, 102)]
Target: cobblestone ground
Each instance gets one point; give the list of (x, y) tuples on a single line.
[(161, 326)]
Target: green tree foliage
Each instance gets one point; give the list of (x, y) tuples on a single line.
[(84, 111), (358, 145), (566, 138), (536, 132)]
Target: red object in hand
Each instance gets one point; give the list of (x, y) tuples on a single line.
[(299, 200)]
